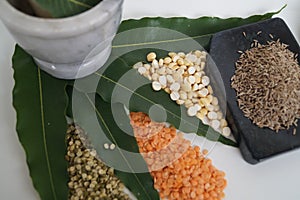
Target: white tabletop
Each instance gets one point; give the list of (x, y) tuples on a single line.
[(276, 179)]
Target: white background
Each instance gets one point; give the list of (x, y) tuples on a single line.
[(275, 179)]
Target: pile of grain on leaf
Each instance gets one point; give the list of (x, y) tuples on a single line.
[(267, 82), (183, 77), (180, 171), (90, 179)]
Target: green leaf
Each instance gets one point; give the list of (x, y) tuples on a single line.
[(138, 37), (199, 29), (116, 82), (61, 8), (108, 123), (40, 102), (116, 86)]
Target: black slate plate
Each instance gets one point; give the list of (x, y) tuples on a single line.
[(255, 143)]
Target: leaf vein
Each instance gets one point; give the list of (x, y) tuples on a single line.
[(44, 134), (160, 42), (141, 96), (80, 3)]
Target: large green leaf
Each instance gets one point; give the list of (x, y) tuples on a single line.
[(126, 86), (200, 29), (40, 102), (117, 82), (108, 123), (60, 8)]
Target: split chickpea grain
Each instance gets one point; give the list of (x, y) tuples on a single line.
[(183, 77)]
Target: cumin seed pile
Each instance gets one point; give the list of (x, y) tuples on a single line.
[(267, 82)]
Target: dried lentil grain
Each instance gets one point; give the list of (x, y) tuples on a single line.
[(181, 75), (151, 56), (112, 146), (106, 146), (180, 171), (89, 177)]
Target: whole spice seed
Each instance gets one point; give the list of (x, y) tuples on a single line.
[(182, 76), (179, 170), (89, 177), (267, 82)]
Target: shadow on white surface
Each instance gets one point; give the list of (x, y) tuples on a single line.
[(15, 182)]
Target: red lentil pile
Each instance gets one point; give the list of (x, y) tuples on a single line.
[(179, 170)]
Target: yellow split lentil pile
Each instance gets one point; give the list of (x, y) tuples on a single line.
[(179, 170), (184, 78)]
